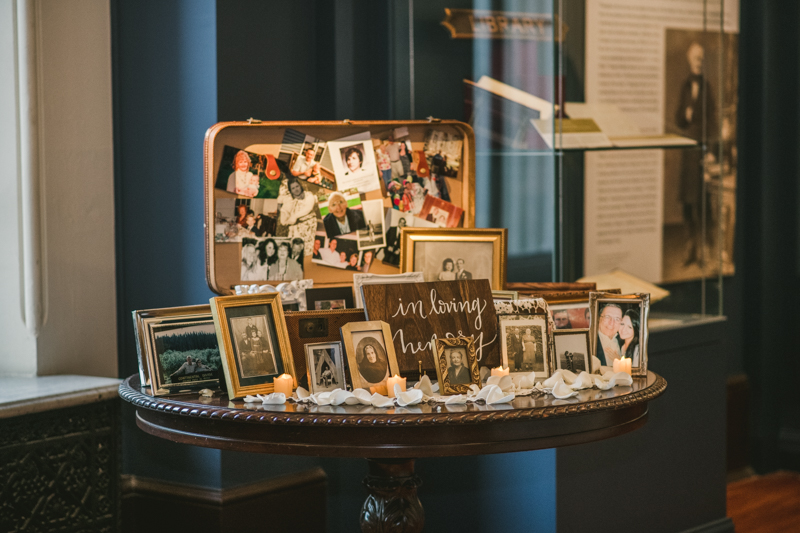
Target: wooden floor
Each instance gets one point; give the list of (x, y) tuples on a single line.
[(766, 504)]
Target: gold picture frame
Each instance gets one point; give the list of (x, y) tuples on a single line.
[(159, 362), (261, 351), (366, 374), (413, 259), (465, 348), (626, 303)]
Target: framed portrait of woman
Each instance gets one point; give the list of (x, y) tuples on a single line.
[(446, 254), (370, 354)]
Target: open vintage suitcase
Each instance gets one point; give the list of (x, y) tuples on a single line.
[(283, 141)]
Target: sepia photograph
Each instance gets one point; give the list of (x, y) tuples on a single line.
[(254, 342), (253, 348), (443, 152), (370, 353), (446, 254), (456, 365), (620, 329), (372, 235), (524, 344), (571, 349), (699, 187), (325, 366)]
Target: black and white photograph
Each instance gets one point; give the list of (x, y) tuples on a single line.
[(372, 363), (372, 236), (237, 218), (341, 212), (340, 252), (253, 347), (395, 221), (697, 188), (571, 315), (456, 365), (354, 165), (447, 261), (186, 354), (325, 366), (370, 353), (272, 259), (571, 349), (524, 344), (620, 329), (298, 213), (324, 298)]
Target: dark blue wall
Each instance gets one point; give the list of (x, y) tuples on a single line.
[(165, 97)]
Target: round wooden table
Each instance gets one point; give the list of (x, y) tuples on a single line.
[(390, 439)]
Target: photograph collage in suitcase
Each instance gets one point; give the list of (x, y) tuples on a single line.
[(311, 200)]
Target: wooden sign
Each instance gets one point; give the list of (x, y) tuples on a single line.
[(419, 313)]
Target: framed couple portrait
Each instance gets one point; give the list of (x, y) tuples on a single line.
[(254, 343), (620, 328), (446, 254)]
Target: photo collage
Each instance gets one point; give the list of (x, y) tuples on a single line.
[(340, 202)]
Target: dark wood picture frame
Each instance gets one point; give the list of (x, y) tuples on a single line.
[(322, 294)]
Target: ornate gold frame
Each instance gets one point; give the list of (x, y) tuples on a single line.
[(219, 308), (497, 236), (347, 338), (445, 388), (596, 298)]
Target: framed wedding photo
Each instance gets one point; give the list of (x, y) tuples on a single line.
[(620, 328), (444, 254), (178, 349), (571, 350), (456, 365), (325, 366), (253, 342), (370, 354)]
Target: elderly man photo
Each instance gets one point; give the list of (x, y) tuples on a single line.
[(561, 319), (341, 219), (607, 328)]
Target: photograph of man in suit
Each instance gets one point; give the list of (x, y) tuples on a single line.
[(457, 372), (607, 329), (251, 328), (460, 272), (696, 104), (514, 349), (391, 254), (341, 219)]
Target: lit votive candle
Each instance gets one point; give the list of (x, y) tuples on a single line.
[(500, 371), (284, 384), (396, 380), (622, 365)]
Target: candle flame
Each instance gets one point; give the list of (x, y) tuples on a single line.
[(396, 376)]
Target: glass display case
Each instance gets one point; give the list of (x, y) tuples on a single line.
[(605, 131)]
